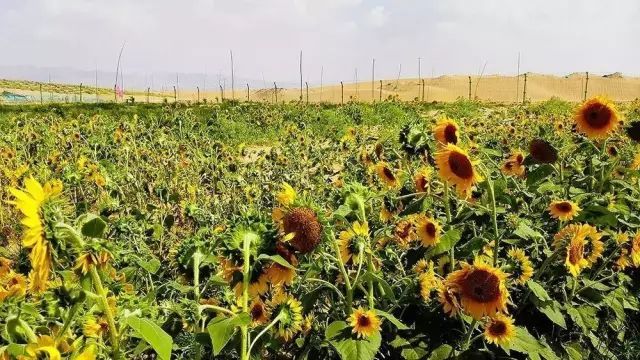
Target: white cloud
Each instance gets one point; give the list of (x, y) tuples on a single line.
[(377, 16)]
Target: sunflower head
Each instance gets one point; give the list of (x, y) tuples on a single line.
[(258, 311), (289, 311), (287, 195), (446, 132), (428, 281), (583, 246), (386, 175), (596, 118), (514, 165), (633, 131), (353, 241), (428, 230), (563, 210), (421, 179), (280, 274), (499, 330), (364, 323), (542, 152), (455, 166), (302, 228), (521, 267)]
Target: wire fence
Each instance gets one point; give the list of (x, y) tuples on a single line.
[(504, 89)]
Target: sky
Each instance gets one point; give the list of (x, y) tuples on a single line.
[(337, 37)]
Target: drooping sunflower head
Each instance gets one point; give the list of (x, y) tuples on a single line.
[(542, 152), (428, 230), (633, 131), (481, 288), (596, 118), (302, 229), (499, 330), (290, 312), (449, 297), (446, 131), (353, 241), (386, 175), (514, 164), (428, 281), (521, 267), (259, 312), (563, 210), (421, 179), (279, 274), (455, 167), (364, 322)]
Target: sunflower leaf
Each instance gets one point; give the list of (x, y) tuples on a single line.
[(392, 319)]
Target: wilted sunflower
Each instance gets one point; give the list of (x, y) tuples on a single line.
[(86, 261), (428, 230), (522, 269), (280, 274), (290, 312), (563, 210), (633, 131), (352, 241), (421, 179), (583, 246), (364, 323), (499, 330), (446, 131), (514, 164), (481, 288), (258, 311), (429, 282), (596, 118), (30, 202), (404, 232), (386, 175), (12, 284), (450, 299), (300, 228), (455, 167), (542, 152)]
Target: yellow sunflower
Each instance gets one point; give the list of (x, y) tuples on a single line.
[(351, 242), (404, 232), (455, 167), (499, 330), (95, 327), (429, 282), (583, 246), (89, 353), (513, 166), (522, 267), (446, 132), (45, 346), (563, 210), (258, 311), (258, 285), (481, 288), (421, 179), (5, 265), (287, 195), (364, 323), (386, 175), (635, 165), (30, 202), (12, 284), (290, 312), (279, 274), (635, 250), (428, 230), (596, 118)]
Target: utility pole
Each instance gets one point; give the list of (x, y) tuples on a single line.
[(524, 94), (80, 92), (419, 76), (300, 75), (232, 77), (373, 80), (306, 83), (380, 96)]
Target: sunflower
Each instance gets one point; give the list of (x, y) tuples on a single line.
[(385, 214), (635, 250), (45, 345), (258, 311), (421, 266), (30, 202), (12, 284), (352, 241), (428, 230), (364, 323), (499, 330), (635, 165), (95, 327), (481, 288), (596, 118), (446, 131), (404, 232), (421, 179), (443, 266), (582, 244), (386, 175), (450, 300), (258, 285), (454, 166), (279, 274), (514, 164), (89, 353), (522, 267), (86, 261), (287, 195), (633, 131), (429, 282), (5, 266), (542, 152), (563, 210), (300, 228), (290, 312)]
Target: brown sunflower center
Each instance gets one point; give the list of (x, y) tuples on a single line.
[(421, 182), (460, 165), (520, 159), (388, 174), (403, 230), (482, 286), (364, 321), (564, 207), (543, 152), (576, 253), (304, 223), (430, 228), (257, 311), (450, 134), (498, 328), (598, 116)]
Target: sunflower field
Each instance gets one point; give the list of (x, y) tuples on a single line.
[(391, 230)]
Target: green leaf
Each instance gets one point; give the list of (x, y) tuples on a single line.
[(539, 174), (552, 310), (538, 291), (276, 259), (524, 342), (601, 347), (392, 319), (526, 232), (388, 290), (93, 226), (584, 316), (442, 352), (447, 241), (338, 333), (222, 328), (574, 351), (159, 340), (152, 266)]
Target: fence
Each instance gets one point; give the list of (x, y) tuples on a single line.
[(509, 89)]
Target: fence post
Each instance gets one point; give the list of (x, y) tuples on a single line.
[(198, 89), (80, 92), (115, 93), (586, 85), (248, 98), (221, 93), (469, 87), (275, 91), (148, 90), (342, 93), (524, 93), (41, 100), (380, 95), (306, 84), (175, 94), (422, 90)]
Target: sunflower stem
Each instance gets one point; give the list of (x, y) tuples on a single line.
[(104, 303), (197, 257), (28, 331), (494, 217), (67, 323), (370, 292), (447, 208), (272, 324), (472, 327), (244, 330), (345, 275)]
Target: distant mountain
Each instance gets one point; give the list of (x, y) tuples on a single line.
[(156, 81)]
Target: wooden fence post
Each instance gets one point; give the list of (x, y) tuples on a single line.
[(306, 84), (524, 93), (248, 98), (275, 91), (342, 92), (380, 95), (423, 90), (80, 92), (198, 89), (41, 100), (469, 87), (586, 85), (175, 94)]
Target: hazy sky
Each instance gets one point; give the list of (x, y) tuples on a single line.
[(451, 36)]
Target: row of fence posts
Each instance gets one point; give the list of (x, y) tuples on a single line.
[(421, 94)]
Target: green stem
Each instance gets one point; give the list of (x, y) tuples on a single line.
[(345, 275), (447, 209), (67, 323), (472, 327), (494, 217), (216, 308), (102, 298), (28, 331), (272, 324), (370, 292), (245, 296)]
